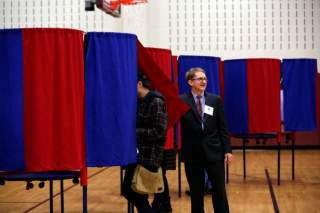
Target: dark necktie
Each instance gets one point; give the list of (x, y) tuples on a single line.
[(199, 107)]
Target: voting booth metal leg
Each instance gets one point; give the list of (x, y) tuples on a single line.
[(61, 196), (292, 157), (179, 174), (244, 141), (51, 195), (84, 199), (279, 149)]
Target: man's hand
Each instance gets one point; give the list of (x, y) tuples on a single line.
[(228, 157)]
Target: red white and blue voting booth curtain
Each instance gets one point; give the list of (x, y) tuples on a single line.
[(176, 82), (210, 65), (174, 60), (175, 107), (111, 98), (235, 95), (41, 100), (299, 92), (318, 100), (163, 58), (252, 95)]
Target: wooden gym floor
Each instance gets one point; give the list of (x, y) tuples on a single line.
[(245, 196)]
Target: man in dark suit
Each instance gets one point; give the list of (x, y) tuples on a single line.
[(205, 143)]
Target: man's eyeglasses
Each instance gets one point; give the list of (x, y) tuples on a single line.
[(200, 79)]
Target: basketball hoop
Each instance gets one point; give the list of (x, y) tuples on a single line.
[(113, 7), (133, 1)]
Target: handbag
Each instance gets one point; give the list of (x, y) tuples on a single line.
[(147, 182)]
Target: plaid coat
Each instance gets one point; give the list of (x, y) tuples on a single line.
[(151, 129)]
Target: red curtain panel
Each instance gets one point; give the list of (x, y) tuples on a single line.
[(163, 58), (263, 79), (53, 99), (175, 107)]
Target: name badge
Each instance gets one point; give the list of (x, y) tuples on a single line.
[(208, 110)]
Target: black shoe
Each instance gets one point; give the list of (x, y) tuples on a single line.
[(146, 209), (162, 207)]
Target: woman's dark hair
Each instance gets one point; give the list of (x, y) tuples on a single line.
[(145, 82)]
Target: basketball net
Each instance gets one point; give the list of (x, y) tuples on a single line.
[(112, 7)]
